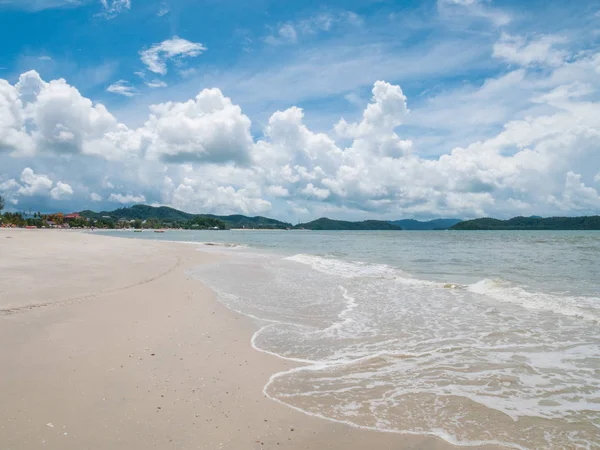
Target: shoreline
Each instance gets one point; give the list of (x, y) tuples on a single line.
[(129, 352)]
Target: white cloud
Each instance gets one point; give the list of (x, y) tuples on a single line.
[(112, 8), (285, 34), (39, 5), (289, 32), (199, 155), (156, 84), (384, 114), (278, 191), (209, 129), (156, 57), (164, 10), (9, 185), (187, 73), (122, 87), (33, 184), (461, 2), (528, 52), (458, 9), (127, 198), (577, 196), (61, 191), (314, 192)]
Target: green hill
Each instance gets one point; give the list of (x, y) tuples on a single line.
[(329, 224), (167, 215), (532, 223), (240, 221), (436, 224), (142, 212)]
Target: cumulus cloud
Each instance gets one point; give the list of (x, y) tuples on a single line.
[(278, 191), (126, 198), (53, 117), (61, 191), (33, 184), (157, 56), (576, 196), (122, 87), (538, 50), (314, 192), (209, 129), (199, 155)]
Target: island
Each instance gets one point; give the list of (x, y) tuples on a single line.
[(145, 216), (417, 225), (531, 223), (324, 223)]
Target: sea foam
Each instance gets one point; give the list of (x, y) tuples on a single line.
[(489, 362)]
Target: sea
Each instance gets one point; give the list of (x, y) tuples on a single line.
[(476, 337)]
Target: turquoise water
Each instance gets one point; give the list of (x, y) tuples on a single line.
[(475, 337)]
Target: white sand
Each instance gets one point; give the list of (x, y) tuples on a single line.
[(106, 344)]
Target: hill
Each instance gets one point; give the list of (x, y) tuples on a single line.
[(141, 212), (532, 223), (167, 215), (240, 221), (329, 224), (436, 224)]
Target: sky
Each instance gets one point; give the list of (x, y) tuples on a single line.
[(351, 109)]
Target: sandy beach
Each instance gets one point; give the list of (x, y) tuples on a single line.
[(107, 344)]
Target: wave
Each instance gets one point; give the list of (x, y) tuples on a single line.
[(345, 269), (587, 308), (383, 350)]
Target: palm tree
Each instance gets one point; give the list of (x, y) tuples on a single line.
[(1, 203)]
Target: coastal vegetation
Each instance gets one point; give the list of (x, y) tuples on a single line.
[(151, 217), (329, 224), (532, 223), (436, 224), (165, 217)]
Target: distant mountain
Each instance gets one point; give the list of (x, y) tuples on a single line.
[(171, 215), (239, 221), (532, 223), (142, 212), (329, 224), (436, 224)]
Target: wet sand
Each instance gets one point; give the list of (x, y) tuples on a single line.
[(107, 344)]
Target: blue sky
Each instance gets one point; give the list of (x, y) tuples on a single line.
[(482, 108)]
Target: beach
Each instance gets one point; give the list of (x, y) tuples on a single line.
[(108, 343)]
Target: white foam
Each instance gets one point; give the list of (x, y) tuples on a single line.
[(567, 306), (379, 331), (345, 269)]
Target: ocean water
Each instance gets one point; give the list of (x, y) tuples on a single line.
[(474, 337)]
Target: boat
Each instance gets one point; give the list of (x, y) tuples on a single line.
[(159, 231)]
